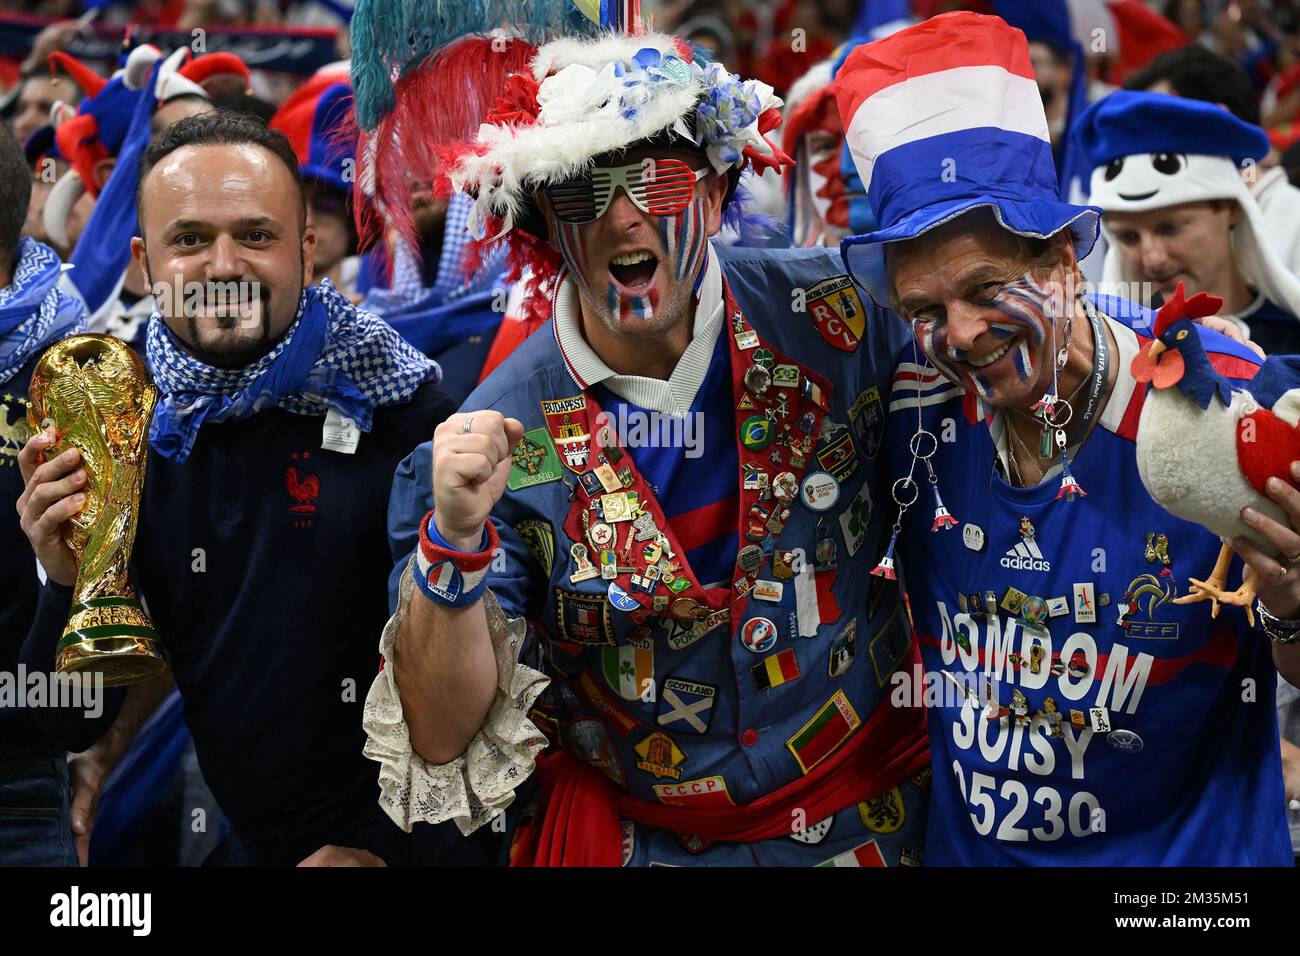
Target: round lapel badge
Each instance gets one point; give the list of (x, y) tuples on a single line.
[(750, 558), (785, 486), (601, 534), (757, 379), (621, 599), (1125, 740), (820, 491), (756, 433), (758, 634)]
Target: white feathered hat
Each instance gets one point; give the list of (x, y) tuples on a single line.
[(581, 98)]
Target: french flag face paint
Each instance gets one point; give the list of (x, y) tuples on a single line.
[(679, 257), (683, 240), (1026, 309)]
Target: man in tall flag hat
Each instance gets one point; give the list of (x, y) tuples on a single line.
[(635, 563), (1067, 667)]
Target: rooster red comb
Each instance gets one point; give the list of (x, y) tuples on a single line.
[(1181, 307)]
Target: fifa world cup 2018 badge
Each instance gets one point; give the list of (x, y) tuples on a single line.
[(94, 393)]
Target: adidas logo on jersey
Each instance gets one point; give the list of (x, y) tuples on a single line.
[(1025, 556)]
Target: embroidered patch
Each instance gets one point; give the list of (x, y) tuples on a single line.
[(889, 645), (837, 312), (589, 740), (867, 420), (660, 756), (14, 431), (583, 618), (705, 792), (883, 813), (822, 735), (566, 422), (630, 667), (539, 537), (534, 461), (686, 705)]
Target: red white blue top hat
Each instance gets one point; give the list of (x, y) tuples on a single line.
[(943, 118)]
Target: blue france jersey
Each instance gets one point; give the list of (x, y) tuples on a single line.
[(1151, 743)]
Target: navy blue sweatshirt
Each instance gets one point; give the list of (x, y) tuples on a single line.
[(263, 561), (21, 585)]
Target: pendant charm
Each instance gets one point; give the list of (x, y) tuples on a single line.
[(885, 569)]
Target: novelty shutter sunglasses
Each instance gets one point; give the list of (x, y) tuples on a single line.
[(661, 188)]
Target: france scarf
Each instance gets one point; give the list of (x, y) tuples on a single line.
[(34, 311), (332, 356)]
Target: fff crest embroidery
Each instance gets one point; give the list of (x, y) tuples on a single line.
[(14, 430), (838, 313), (303, 488)]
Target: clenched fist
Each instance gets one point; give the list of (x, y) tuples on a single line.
[(471, 461)]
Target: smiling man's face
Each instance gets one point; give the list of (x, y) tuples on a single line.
[(636, 271), (986, 318)]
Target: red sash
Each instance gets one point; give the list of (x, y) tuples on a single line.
[(578, 822)]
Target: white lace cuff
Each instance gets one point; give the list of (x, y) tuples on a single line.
[(475, 786)]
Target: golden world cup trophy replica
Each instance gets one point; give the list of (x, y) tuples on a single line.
[(95, 393)]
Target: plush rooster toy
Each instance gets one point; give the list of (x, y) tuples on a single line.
[(1205, 448)]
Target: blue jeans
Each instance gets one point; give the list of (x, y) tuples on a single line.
[(34, 807)]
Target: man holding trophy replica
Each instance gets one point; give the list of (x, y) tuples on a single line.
[(260, 553)]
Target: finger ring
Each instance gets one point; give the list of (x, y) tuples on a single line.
[(469, 421)]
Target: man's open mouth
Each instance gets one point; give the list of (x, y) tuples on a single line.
[(634, 271)]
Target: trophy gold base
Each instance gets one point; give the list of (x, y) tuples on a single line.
[(112, 636)]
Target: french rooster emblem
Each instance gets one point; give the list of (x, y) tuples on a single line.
[(303, 490), (1206, 447)]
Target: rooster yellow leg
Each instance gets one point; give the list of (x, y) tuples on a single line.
[(1244, 596), (1211, 588)]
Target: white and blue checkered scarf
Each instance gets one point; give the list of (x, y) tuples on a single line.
[(34, 311), (332, 356)]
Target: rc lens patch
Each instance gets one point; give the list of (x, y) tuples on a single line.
[(837, 311)]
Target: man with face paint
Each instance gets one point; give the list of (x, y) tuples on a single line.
[(814, 138), (1080, 716), (676, 480)]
